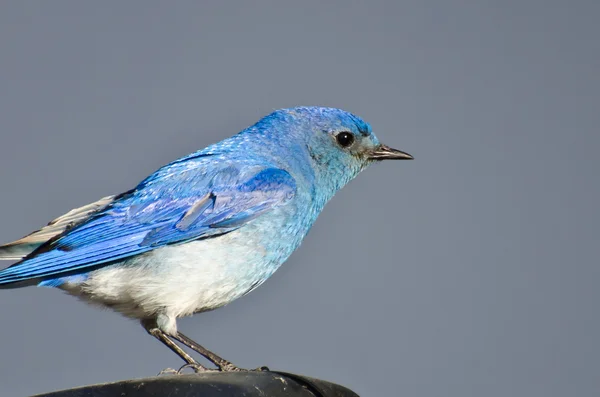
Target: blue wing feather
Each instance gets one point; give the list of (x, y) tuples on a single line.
[(184, 201)]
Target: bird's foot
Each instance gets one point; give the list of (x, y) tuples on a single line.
[(232, 368), (197, 368), (229, 367)]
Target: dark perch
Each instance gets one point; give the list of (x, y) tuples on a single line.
[(227, 384)]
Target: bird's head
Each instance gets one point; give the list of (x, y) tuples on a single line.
[(337, 143)]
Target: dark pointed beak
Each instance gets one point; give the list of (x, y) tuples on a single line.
[(383, 152)]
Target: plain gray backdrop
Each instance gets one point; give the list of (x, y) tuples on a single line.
[(470, 271)]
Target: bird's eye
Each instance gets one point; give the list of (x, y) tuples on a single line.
[(345, 139)]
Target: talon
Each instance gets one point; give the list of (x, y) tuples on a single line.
[(264, 368), (198, 368)]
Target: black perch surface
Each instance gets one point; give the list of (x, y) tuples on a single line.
[(214, 384)]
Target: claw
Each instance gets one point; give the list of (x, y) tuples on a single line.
[(197, 368)]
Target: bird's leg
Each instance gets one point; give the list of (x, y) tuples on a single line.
[(153, 330), (221, 363)]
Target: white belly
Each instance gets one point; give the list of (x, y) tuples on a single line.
[(180, 280)]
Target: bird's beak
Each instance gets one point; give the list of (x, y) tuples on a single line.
[(383, 152)]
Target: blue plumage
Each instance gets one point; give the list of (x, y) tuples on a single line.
[(205, 229)]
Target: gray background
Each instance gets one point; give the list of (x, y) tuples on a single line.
[(471, 271)]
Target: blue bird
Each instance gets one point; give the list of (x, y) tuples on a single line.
[(205, 229)]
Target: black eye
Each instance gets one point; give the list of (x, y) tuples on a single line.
[(345, 139)]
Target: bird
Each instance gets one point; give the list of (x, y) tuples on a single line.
[(203, 230)]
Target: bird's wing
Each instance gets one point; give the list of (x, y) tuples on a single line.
[(179, 203), (24, 246)]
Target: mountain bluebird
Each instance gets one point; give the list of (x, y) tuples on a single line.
[(203, 230)]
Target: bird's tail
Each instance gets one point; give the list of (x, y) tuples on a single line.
[(24, 246)]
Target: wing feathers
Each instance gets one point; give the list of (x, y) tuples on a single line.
[(195, 211), (20, 248), (154, 215)]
